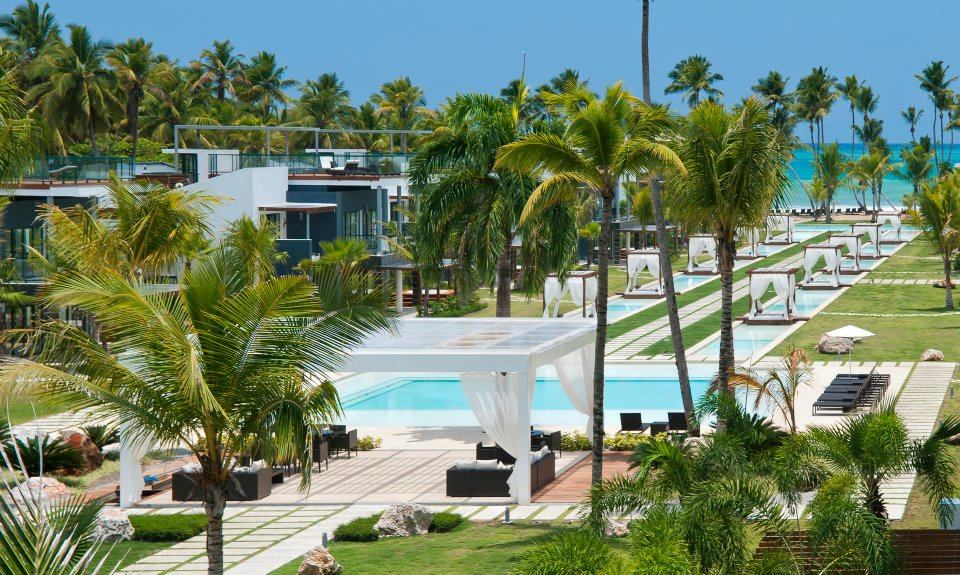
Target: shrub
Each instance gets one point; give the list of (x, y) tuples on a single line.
[(445, 521), (451, 307), (569, 554), (101, 435), (624, 441), (575, 441), (360, 530), (179, 527), (369, 443), (56, 455)]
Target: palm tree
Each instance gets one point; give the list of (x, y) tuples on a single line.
[(866, 101), (848, 90), (222, 67), (138, 71), (779, 385), (916, 167), (402, 104), (871, 134), (32, 27), (324, 103), (773, 87), (690, 77), (265, 85), (736, 170), (645, 50), (871, 168), (606, 140), (831, 170), (74, 88), (365, 117), (641, 205), (227, 365), (19, 132), (912, 116), (938, 215), (935, 82), (815, 98)]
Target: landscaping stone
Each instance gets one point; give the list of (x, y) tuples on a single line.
[(319, 561), (42, 488), (940, 283), (829, 344), (113, 525), (931, 355), (616, 527), (403, 520), (82, 442)]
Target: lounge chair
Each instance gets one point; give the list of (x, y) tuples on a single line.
[(677, 421), (658, 427), (632, 423), (467, 481), (552, 440), (321, 450)]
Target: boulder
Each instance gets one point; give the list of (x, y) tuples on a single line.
[(616, 527), (931, 355), (319, 561), (403, 520), (941, 283), (113, 525), (82, 442), (39, 489), (829, 344)]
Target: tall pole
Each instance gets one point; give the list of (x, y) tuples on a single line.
[(645, 50)]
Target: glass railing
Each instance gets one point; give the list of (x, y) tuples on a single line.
[(336, 163), (66, 169)]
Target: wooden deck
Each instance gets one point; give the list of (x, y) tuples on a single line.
[(574, 485)]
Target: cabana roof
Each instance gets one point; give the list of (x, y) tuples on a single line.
[(471, 344), (774, 271)]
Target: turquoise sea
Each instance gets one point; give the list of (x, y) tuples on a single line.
[(893, 187)]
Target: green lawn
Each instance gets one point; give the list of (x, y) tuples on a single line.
[(22, 409), (916, 260), (468, 550), (127, 553)]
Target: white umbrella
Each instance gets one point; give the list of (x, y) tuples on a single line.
[(852, 333)]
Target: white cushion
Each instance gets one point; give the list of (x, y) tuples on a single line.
[(466, 464), (191, 468), (487, 464), (256, 466), (544, 451), (501, 465)]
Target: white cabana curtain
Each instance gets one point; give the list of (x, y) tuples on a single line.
[(701, 245), (853, 244), (592, 286), (494, 399), (133, 448), (752, 237), (812, 255), (872, 230), (784, 285), (553, 292), (636, 263), (575, 372), (893, 220), (777, 224)]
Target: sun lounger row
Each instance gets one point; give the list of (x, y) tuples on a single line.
[(848, 393), (633, 423)]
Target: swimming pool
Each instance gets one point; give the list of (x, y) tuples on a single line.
[(413, 400)]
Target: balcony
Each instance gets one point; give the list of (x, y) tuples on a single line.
[(344, 164), (91, 169)]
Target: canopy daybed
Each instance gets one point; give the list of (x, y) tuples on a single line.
[(831, 258), (582, 287), (697, 245), (872, 231), (854, 244), (751, 251), (890, 236), (776, 224), (637, 261), (784, 282)]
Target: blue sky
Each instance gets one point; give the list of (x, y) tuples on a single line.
[(450, 46)]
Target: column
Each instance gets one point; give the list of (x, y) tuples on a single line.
[(380, 219), (399, 289), (525, 380)]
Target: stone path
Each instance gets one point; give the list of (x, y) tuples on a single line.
[(901, 282), (919, 406)]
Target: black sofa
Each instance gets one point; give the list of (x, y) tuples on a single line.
[(248, 486), (493, 482)]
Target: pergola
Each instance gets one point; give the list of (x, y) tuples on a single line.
[(634, 227), (752, 250), (873, 231), (854, 245), (698, 244), (779, 223), (582, 287), (637, 261), (894, 219), (784, 282), (831, 259), (497, 359)]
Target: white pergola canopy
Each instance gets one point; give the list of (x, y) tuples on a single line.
[(784, 282), (831, 259), (777, 224), (639, 260), (894, 219), (582, 287), (697, 245), (872, 231), (752, 238), (854, 244)]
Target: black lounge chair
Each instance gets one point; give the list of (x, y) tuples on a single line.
[(493, 482), (659, 427), (847, 393), (632, 422), (677, 421), (321, 451), (552, 440)]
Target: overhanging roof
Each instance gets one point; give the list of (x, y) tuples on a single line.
[(471, 344), (298, 207)]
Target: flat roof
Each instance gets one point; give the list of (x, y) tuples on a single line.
[(298, 207), (470, 344)]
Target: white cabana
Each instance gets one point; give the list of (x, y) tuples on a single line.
[(779, 224), (890, 236), (872, 231), (498, 359), (697, 245), (751, 237), (831, 258), (784, 282), (582, 287), (854, 246), (637, 261)]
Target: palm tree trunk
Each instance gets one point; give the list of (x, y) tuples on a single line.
[(947, 279), (828, 204), (221, 90), (606, 238), (504, 278), (645, 50), (673, 313), (133, 119), (214, 503), (93, 136), (875, 499), (725, 255), (853, 133)]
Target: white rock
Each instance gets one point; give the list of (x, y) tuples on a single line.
[(113, 525), (616, 527), (319, 561), (828, 344), (403, 520), (931, 355), (39, 488)]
